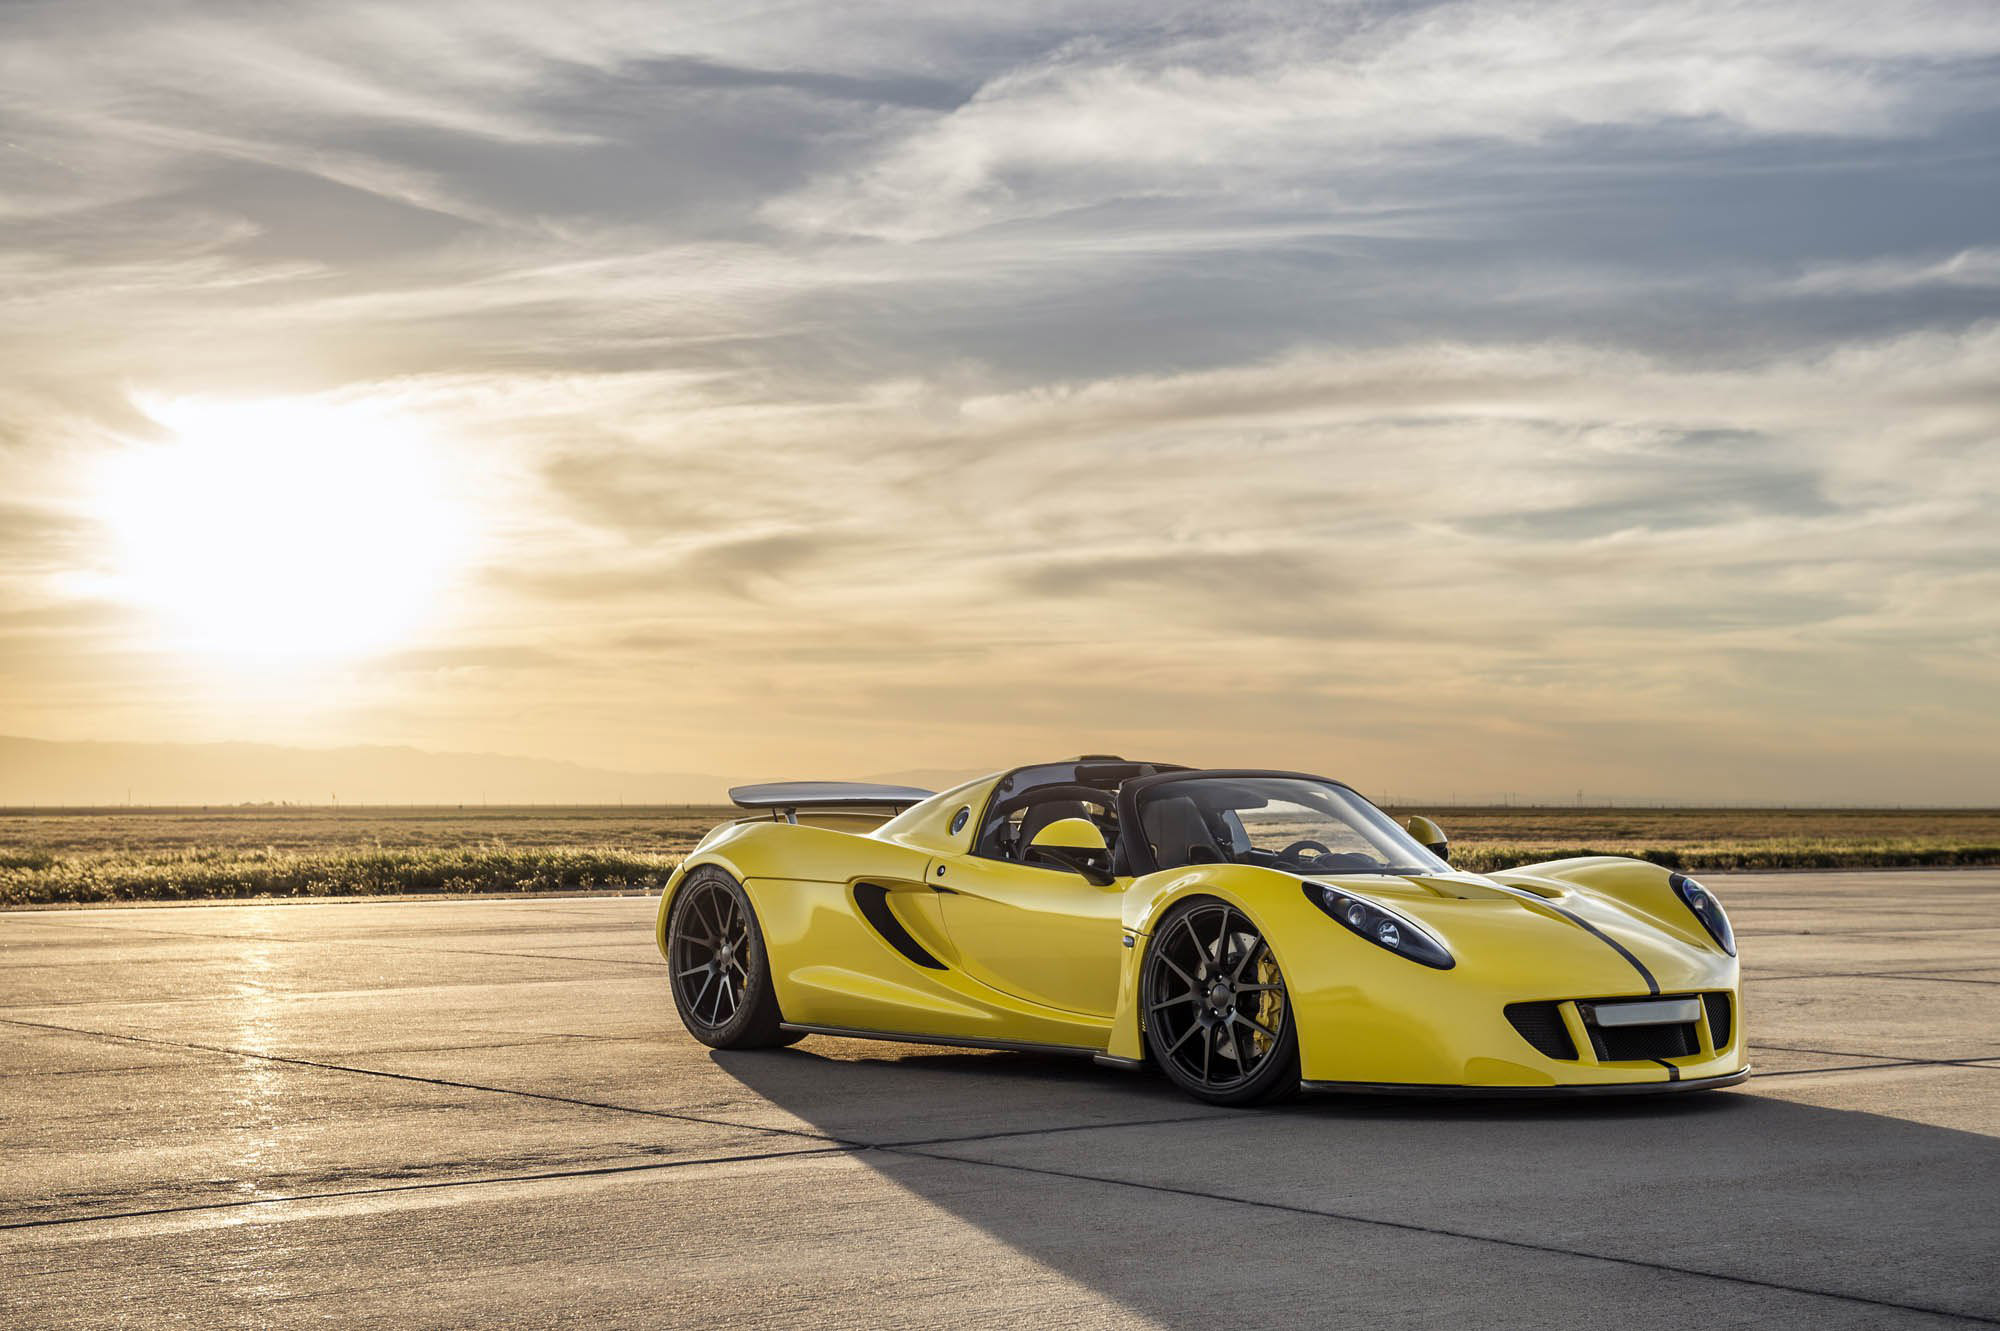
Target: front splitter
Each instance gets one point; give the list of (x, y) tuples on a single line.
[(1523, 1092)]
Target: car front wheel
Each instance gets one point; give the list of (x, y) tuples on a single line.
[(1218, 1020)]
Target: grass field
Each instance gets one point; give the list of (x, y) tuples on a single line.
[(85, 855)]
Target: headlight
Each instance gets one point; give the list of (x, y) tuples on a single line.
[(1381, 926), (1706, 909)]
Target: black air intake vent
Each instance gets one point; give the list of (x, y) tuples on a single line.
[(1718, 1018), (1541, 1025), (874, 902), (1624, 1044)]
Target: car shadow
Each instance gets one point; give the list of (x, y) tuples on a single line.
[(1634, 1211)]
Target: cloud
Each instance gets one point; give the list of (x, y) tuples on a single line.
[(1978, 267), (974, 382), (1276, 105)]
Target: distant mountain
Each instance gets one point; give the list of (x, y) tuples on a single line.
[(53, 772), (927, 778)]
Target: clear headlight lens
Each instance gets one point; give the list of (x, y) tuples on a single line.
[(1706, 909), (1381, 926)]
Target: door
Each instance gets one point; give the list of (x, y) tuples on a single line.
[(1045, 935)]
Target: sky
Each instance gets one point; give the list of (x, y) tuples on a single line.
[(1463, 399)]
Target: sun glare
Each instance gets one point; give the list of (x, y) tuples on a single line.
[(278, 530)]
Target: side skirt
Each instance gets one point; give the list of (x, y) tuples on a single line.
[(1010, 1046), (1524, 1092)]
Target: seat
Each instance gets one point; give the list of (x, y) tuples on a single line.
[(1039, 816), (1180, 834)]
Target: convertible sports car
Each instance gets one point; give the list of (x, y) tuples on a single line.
[(1247, 932)]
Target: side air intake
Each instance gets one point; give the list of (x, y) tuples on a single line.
[(1718, 1018), (873, 900), (1541, 1025)]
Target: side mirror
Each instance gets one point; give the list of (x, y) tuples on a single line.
[(1430, 835), (1076, 844)]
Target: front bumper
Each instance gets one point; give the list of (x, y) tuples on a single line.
[(1370, 1018)]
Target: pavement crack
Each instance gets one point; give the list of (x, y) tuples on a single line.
[(427, 1185), (1886, 1059), (1044, 1131), (441, 1081), (832, 1141)]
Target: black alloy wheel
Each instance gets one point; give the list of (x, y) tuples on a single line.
[(1217, 1016), (720, 976)]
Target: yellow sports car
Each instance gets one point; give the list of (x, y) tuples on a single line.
[(1249, 933)]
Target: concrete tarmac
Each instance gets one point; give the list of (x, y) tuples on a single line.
[(459, 1114)]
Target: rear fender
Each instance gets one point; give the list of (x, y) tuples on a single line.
[(756, 849)]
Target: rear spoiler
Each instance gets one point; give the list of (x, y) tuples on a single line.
[(788, 797)]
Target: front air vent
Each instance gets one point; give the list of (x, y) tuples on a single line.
[(1718, 1018), (1541, 1025), (873, 899)]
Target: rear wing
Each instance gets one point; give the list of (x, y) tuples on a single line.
[(788, 797)]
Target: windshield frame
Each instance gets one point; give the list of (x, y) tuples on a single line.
[(1134, 794)]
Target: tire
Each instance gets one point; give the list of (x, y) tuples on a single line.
[(717, 967), (1217, 1017)]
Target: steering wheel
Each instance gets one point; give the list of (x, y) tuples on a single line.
[(1292, 851)]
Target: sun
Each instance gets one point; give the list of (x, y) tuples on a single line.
[(282, 529)]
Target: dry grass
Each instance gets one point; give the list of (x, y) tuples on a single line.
[(1494, 838), (188, 854)]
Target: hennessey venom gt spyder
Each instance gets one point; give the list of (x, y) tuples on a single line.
[(1247, 932)]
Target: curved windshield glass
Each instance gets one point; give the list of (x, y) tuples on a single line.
[(1296, 824)]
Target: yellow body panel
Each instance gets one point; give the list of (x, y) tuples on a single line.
[(1037, 955)]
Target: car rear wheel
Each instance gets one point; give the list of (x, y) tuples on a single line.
[(718, 969), (1218, 1020)]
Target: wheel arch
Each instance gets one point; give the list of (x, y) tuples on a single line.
[(1271, 901)]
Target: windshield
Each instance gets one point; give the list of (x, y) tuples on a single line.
[(1297, 824)]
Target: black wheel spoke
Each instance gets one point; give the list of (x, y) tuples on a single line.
[(1201, 968), (1250, 954)]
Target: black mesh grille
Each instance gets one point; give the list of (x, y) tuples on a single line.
[(1541, 1025), (1621, 1044), (1718, 1018)]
